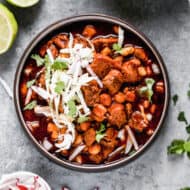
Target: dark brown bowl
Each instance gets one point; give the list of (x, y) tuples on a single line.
[(81, 19)]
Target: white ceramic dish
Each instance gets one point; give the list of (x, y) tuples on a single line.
[(28, 180)]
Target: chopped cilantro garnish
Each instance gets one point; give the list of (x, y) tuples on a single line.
[(72, 108), (82, 119), (30, 83), (188, 93), (149, 82), (59, 87), (59, 65), (147, 90), (100, 133), (179, 147), (187, 146), (117, 48), (181, 117), (176, 147), (31, 105), (39, 60), (175, 99), (188, 128)]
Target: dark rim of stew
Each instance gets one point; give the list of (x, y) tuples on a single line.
[(80, 19)]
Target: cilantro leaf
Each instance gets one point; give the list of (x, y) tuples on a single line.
[(143, 89), (60, 86), (187, 146), (188, 154), (31, 105), (100, 133), (149, 82), (30, 83), (102, 128), (117, 48), (188, 128), (181, 117), (175, 99), (179, 147), (82, 119), (188, 93), (185, 188), (99, 136), (72, 108), (176, 147), (39, 60), (147, 91), (59, 65)]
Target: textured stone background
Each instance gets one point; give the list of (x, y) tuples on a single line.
[(167, 24)]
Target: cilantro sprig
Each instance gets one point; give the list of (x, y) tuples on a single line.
[(176, 147), (117, 48), (60, 86), (31, 105), (59, 65), (39, 60), (179, 147), (175, 99), (185, 188), (188, 129), (147, 91), (100, 133), (72, 108), (188, 93), (82, 119), (182, 118)]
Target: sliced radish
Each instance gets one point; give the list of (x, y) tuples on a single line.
[(129, 146), (76, 152), (116, 152), (28, 96), (41, 92), (132, 137)]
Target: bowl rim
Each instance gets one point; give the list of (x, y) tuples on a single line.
[(68, 21)]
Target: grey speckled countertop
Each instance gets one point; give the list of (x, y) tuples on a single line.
[(167, 24)]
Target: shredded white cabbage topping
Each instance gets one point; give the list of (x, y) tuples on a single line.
[(120, 36), (71, 80)]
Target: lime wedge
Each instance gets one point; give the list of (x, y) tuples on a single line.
[(23, 3), (8, 28)]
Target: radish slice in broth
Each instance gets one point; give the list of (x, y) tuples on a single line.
[(132, 137)]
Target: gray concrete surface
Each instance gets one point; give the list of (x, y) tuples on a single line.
[(167, 24)]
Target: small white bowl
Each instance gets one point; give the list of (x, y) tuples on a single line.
[(10, 180)]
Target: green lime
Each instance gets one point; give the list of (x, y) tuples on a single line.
[(8, 28), (23, 3)]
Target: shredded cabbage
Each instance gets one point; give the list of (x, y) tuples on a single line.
[(120, 36), (63, 88)]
